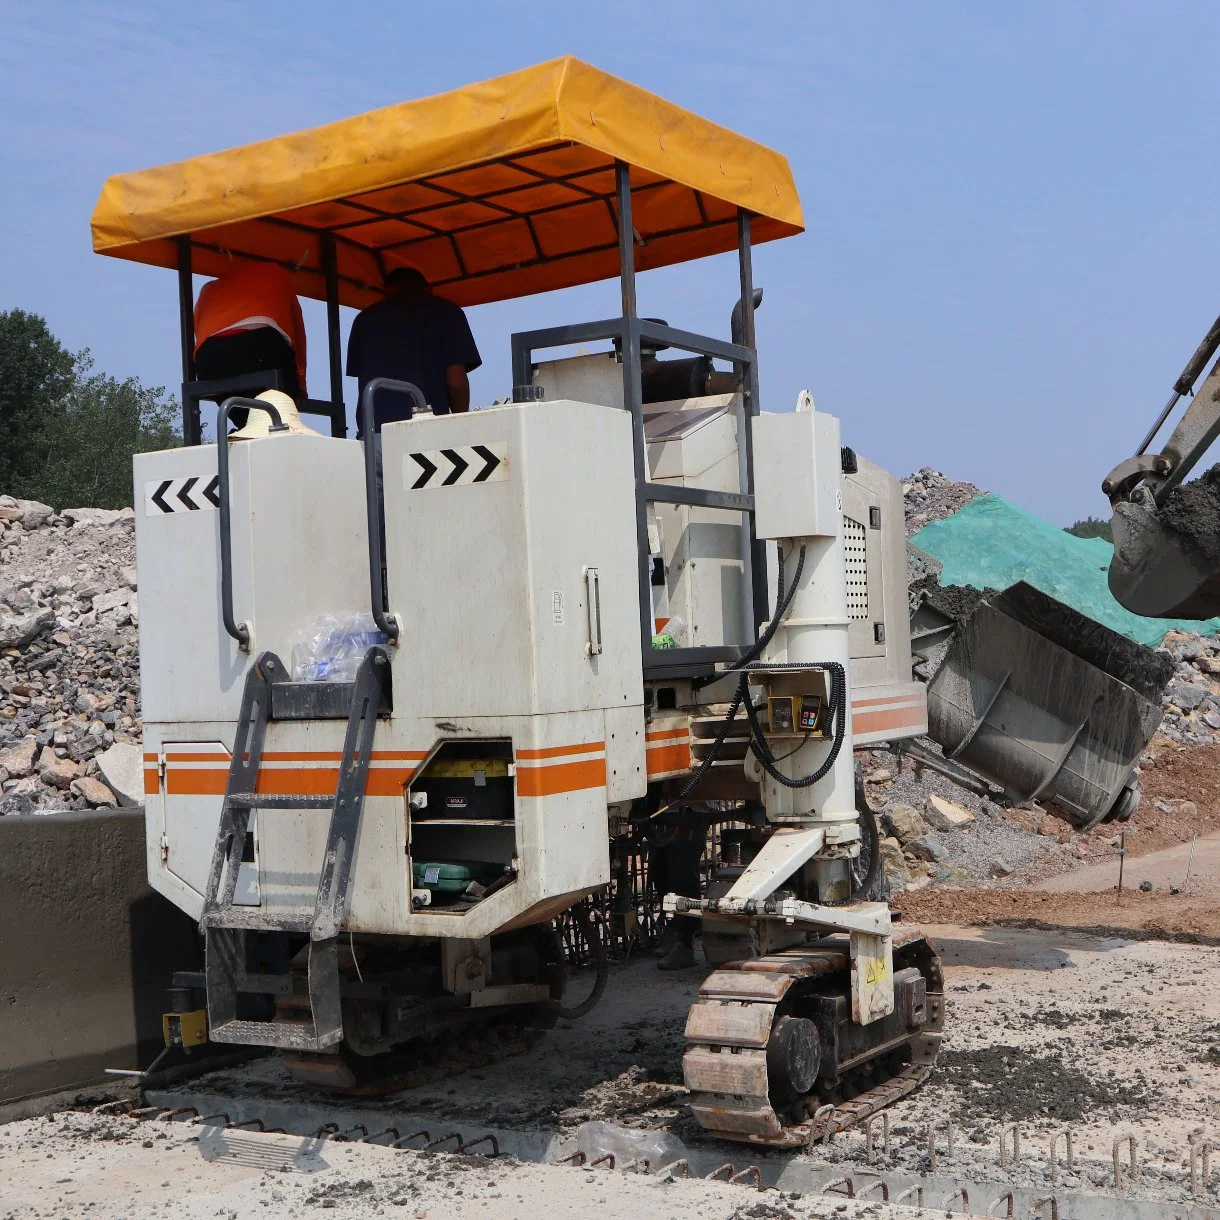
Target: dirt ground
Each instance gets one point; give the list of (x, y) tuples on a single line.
[(1055, 1030), (1173, 774), (1181, 803), (1173, 917), (80, 1164), (1185, 779), (1049, 1028)]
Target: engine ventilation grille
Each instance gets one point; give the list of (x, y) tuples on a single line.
[(855, 549)]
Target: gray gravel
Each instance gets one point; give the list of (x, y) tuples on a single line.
[(971, 850), (69, 659)]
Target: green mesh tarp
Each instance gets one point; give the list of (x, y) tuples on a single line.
[(991, 543)]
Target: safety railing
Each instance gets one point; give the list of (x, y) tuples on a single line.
[(382, 616), (627, 333), (239, 631)]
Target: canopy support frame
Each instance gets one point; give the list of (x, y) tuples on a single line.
[(330, 259), (757, 550), (186, 324), (627, 332)]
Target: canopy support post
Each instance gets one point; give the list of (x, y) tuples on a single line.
[(745, 265), (754, 551), (633, 395), (330, 260), (626, 237), (191, 432)]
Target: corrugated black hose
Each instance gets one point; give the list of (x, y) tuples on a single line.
[(836, 706), (782, 601), (601, 961)]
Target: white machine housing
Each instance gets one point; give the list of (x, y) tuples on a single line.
[(512, 566), (697, 442), (518, 601)]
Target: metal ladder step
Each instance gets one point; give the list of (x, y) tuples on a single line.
[(256, 919), (225, 925), (284, 1035)]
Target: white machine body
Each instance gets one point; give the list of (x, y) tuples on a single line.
[(512, 566), (520, 625)]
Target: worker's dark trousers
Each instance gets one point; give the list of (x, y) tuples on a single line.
[(261, 349), (675, 870)]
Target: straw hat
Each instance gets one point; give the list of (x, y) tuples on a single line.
[(258, 423)]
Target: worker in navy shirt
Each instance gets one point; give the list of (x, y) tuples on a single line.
[(412, 335)]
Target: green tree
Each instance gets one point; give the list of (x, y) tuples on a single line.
[(1090, 527), (74, 430), (37, 373)]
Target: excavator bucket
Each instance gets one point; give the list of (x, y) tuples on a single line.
[(1160, 570), (1048, 704)]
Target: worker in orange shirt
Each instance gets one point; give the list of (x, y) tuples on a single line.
[(248, 320)]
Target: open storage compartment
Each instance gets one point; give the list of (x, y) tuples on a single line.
[(462, 826)]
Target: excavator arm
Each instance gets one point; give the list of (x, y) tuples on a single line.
[(1166, 560)]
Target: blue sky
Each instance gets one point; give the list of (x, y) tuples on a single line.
[(1009, 209)]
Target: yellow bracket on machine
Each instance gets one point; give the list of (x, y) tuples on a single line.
[(185, 1029)]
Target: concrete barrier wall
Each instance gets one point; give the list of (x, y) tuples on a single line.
[(86, 950)]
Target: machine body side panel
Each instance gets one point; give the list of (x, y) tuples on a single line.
[(299, 551), (557, 844), (529, 576)]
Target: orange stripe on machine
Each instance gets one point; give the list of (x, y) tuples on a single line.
[(221, 756), (275, 781), (888, 700), (680, 733), (561, 777), (590, 747), (190, 773), (665, 758), (538, 776), (911, 717)]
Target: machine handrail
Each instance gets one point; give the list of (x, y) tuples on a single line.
[(386, 621), (239, 631)]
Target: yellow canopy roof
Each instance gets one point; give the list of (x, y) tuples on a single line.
[(495, 190)]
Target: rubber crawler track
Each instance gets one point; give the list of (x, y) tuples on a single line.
[(727, 1030)]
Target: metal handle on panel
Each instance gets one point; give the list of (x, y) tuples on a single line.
[(384, 620), (239, 631), (593, 599)]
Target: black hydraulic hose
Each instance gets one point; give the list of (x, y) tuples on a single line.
[(718, 741), (783, 599), (836, 706), (872, 841), (868, 823), (782, 602), (601, 959)]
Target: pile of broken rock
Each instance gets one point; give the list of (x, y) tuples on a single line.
[(69, 666), (1192, 698), (911, 855), (929, 495)]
